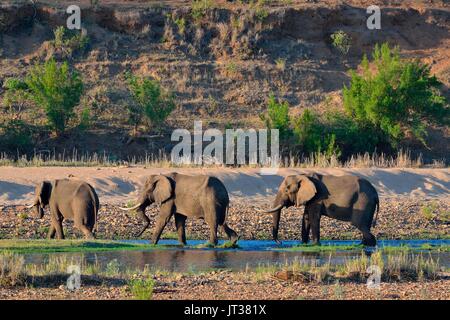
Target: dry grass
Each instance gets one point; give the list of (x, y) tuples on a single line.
[(11, 269), (394, 266), (162, 160)]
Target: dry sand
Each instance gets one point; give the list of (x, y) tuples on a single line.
[(118, 185)]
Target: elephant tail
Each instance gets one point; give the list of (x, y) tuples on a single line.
[(377, 203), (96, 207)]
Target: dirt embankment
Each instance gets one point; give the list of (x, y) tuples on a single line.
[(414, 202), (221, 63)]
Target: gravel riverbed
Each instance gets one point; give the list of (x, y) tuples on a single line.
[(399, 218)]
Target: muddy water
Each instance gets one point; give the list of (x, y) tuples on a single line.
[(251, 254)]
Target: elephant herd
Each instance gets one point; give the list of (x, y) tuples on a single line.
[(345, 198)]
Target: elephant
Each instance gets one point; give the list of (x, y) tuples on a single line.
[(68, 199), (182, 196), (345, 198)]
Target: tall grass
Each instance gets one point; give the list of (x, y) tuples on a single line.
[(394, 266), (403, 159), (142, 289), (11, 269)]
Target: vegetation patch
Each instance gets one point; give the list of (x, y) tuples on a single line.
[(49, 246)]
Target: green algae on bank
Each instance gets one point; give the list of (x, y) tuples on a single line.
[(49, 246), (357, 247)]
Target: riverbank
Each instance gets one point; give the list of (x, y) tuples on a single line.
[(403, 276)]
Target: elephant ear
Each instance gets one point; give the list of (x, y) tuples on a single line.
[(307, 190), (163, 189), (45, 188)]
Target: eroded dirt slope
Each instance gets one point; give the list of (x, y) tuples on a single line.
[(223, 64)]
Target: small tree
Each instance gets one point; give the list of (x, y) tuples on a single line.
[(395, 95), (57, 91), (313, 135), (15, 98), (277, 116), (150, 100)]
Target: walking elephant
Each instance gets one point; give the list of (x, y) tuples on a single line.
[(68, 199), (183, 196), (346, 198)]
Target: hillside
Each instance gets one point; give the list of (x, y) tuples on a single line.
[(221, 65)]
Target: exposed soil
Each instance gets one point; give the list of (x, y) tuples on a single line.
[(220, 67)]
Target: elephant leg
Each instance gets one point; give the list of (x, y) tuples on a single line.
[(57, 222), (368, 238), (51, 232), (213, 234), (314, 220), (142, 215), (164, 217), (363, 211), (231, 234), (306, 227), (180, 223), (87, 233)]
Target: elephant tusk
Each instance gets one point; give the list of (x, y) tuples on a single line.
[(130, 209), (274, 209), (30, 206)]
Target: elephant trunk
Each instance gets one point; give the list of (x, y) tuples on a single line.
[(276, 213)]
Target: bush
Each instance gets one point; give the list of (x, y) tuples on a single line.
[(395, 96), (15, 98), (341, 41), (150, 100), (354, 137), (69, 42), (277, 117), (199, 8), (57, 91), (312, 135), (142, 289), (15, 135)]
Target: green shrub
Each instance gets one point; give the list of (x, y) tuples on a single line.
[(85, 119), (150, 100), (277, 117), (57, 90), (199, 8), (354, 137), (341, 41), (395, 96), (142, 289), (313, 135), (69, 41), (15, 135), (15, 98)]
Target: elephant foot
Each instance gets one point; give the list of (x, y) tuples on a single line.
[(369, 240), (316, 243), (369, 243)]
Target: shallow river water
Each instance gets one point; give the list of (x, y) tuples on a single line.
[(251, 254)]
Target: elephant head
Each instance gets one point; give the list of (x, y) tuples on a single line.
[(42, 192), (294, 190), (157, 188)]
